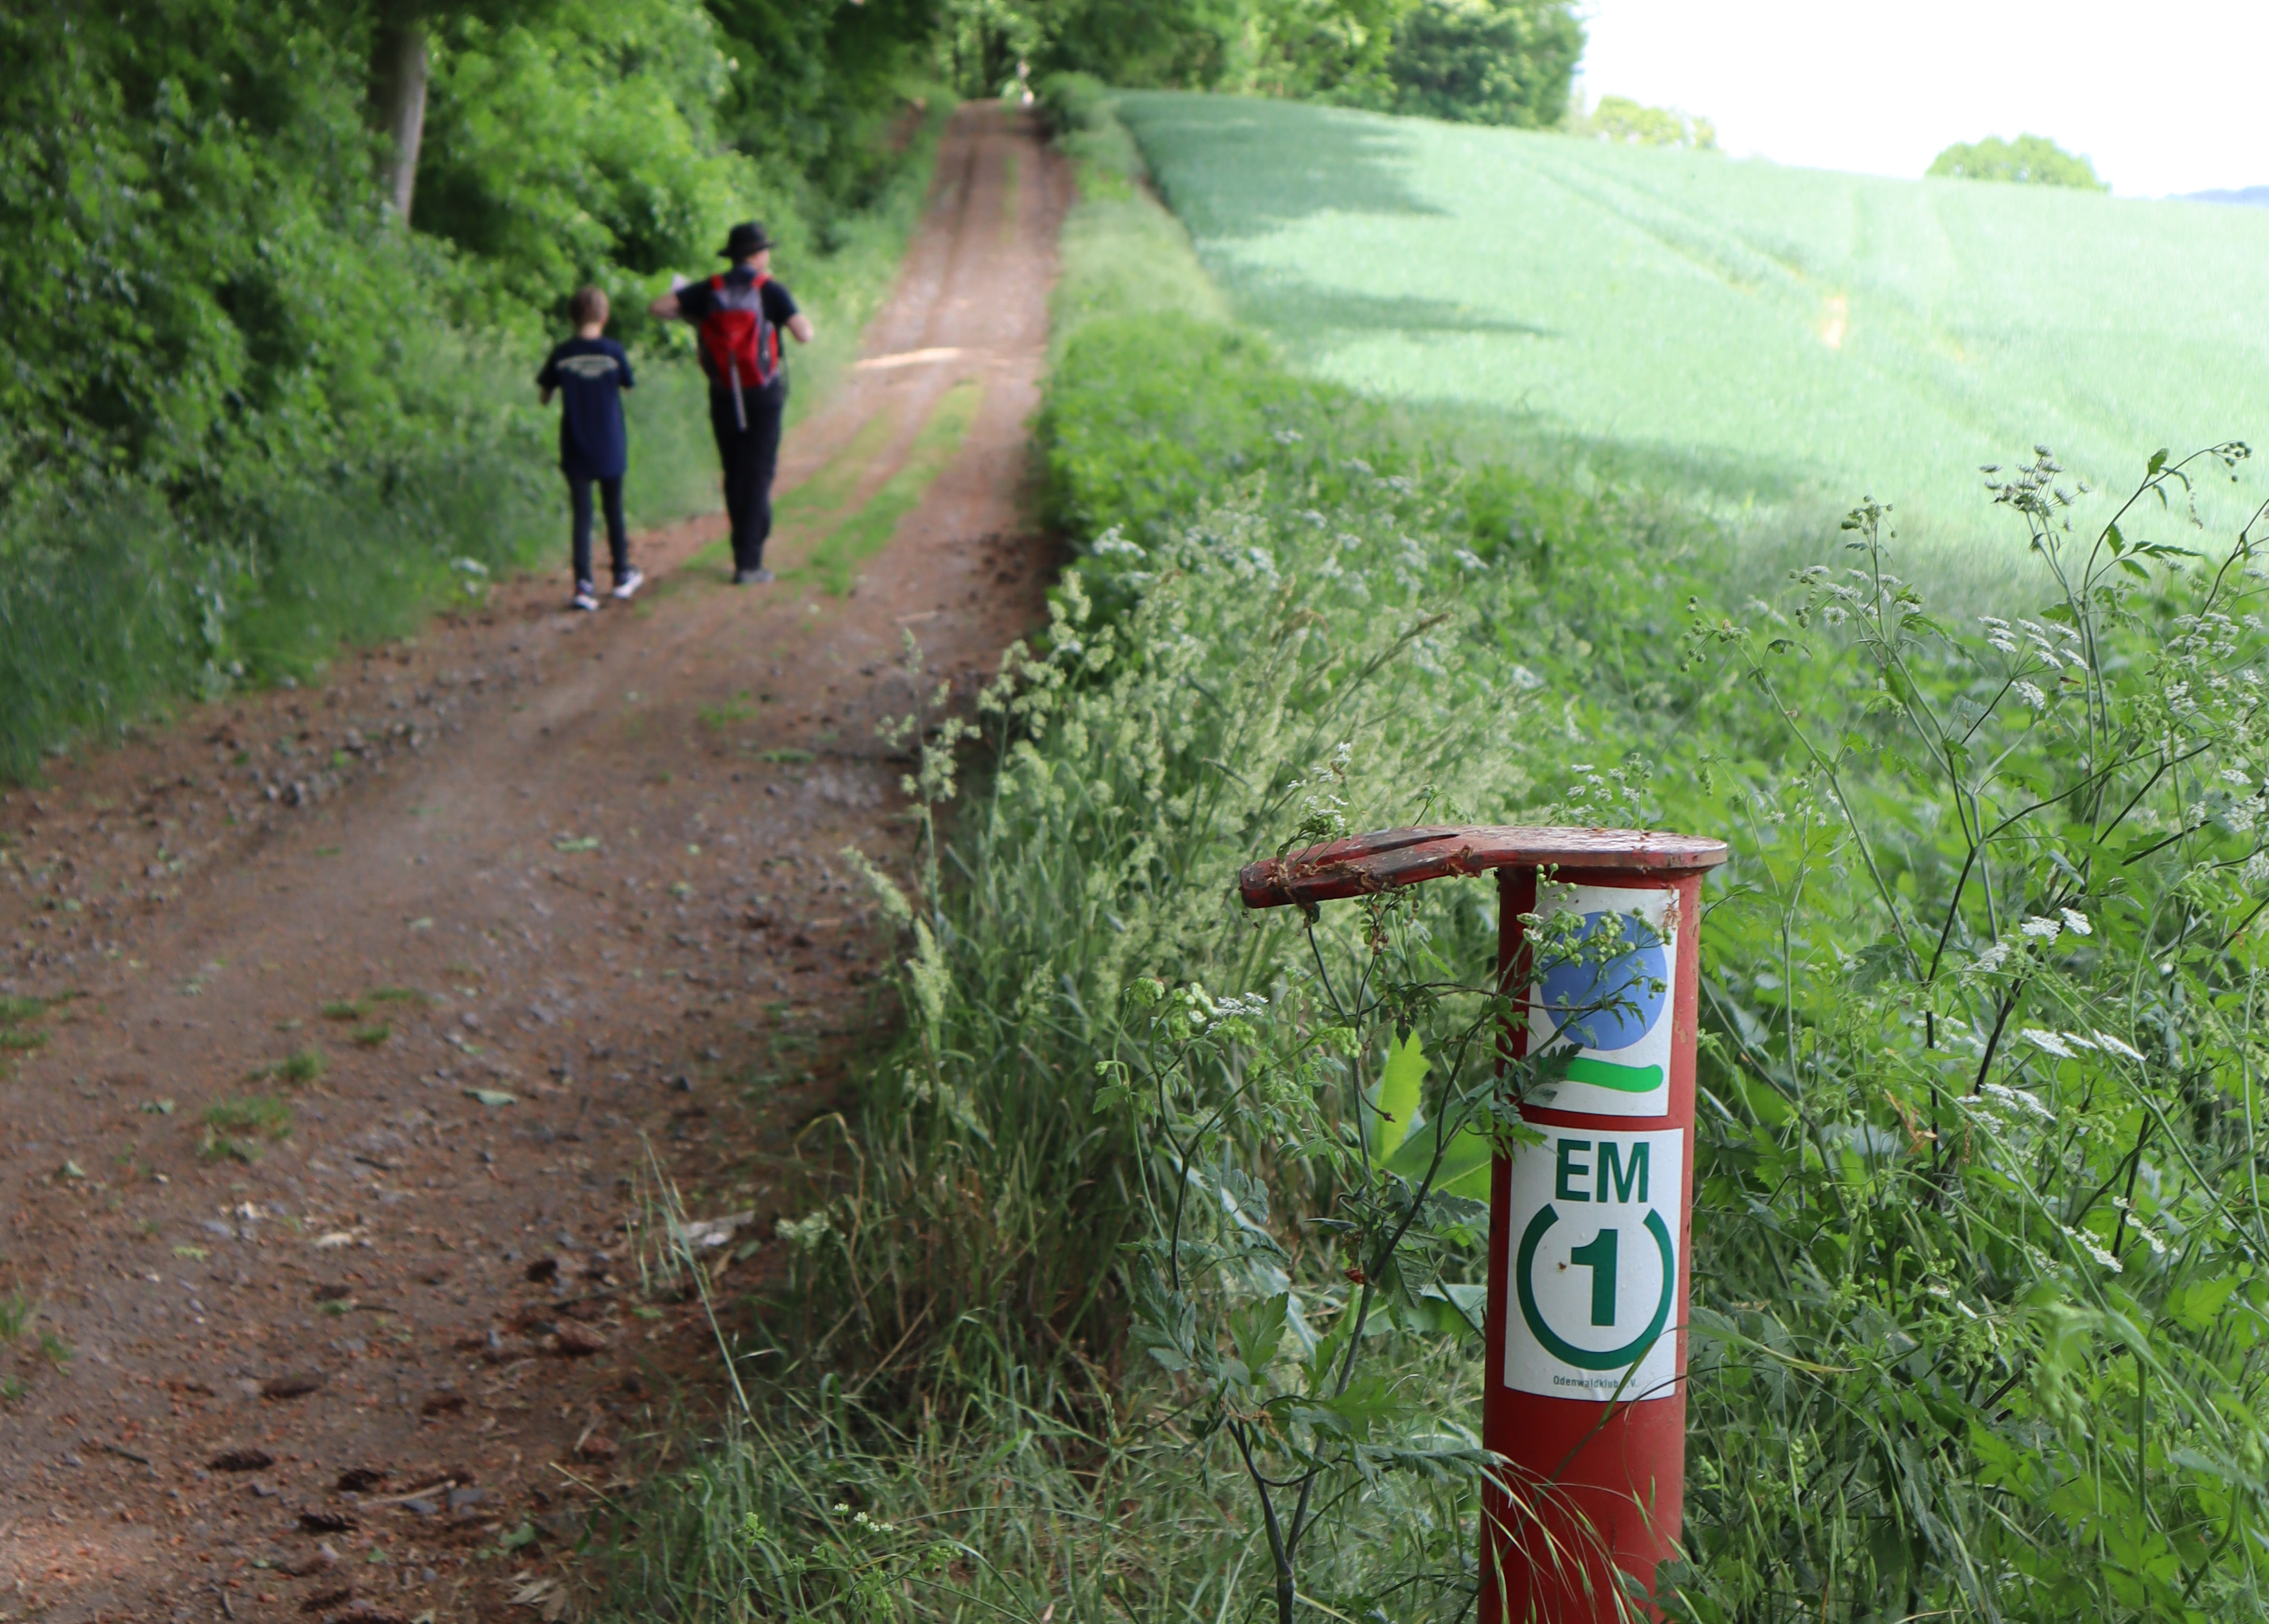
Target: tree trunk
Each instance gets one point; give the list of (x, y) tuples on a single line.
[(398, 98)]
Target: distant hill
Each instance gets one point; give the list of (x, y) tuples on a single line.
[(2252, 197)]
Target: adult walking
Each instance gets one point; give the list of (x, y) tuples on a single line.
[(738, 317)]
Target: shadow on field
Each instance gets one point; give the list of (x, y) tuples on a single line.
[(1294, 304), (1311, 161), (1483, 433)]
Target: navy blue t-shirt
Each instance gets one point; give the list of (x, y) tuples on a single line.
[(590, 374), (779, 304)]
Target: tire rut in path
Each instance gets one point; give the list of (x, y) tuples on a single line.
[(584, 863)]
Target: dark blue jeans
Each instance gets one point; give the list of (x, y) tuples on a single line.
[(750, 455), (618, 540)]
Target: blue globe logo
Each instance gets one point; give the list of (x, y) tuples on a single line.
[(1611, 1004)]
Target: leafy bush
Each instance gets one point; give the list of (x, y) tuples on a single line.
[(2029, 161), (1487, 62), (1632, 123), (582, 144)]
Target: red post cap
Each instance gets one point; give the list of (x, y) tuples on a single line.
[(1363, 864)]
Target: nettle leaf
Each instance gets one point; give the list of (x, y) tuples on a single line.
[(1446, 1308), (1165, 1323), (1398, 1094), (1369, 1401), (1258, 1329), (1465, 1161), (1468, 1214), (1880, 961)]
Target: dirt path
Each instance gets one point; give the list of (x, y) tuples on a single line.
[(541, 891)]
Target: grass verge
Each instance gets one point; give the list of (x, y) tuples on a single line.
[(1978, 1303)]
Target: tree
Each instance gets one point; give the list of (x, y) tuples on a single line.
[(401, 70), (398, 75), (1487, 62), (2029, 161), (1632, 123)]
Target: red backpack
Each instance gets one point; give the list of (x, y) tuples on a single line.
[(738, 345)]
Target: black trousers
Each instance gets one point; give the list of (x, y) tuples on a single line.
[(618, 539), (750, 455)]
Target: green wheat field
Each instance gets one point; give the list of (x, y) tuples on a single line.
[(1783, 340)]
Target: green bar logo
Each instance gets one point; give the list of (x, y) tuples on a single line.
[(1608, 1074)]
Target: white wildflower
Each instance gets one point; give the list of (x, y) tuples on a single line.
[(2031, 695), (2117, 1046), (1526, 680), (2045, 930), (2076, 922), (2233, 775), (1235, 1009), (2002, 1094), (1990, 959), (2053, 1042), (2088, 1244)]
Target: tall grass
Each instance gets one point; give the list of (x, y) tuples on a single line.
[(1979, 1316)]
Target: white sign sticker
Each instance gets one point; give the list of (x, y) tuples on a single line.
[(1614, 1013), (1593, 1257)]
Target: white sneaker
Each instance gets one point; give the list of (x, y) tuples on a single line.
[(585, 599), (629, 583)]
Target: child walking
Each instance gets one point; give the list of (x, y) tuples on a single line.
[(589, 373)]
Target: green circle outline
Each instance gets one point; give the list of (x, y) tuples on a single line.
[(1566, 1352)]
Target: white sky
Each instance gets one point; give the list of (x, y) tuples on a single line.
[(2166, 96)]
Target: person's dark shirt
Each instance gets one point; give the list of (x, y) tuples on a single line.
[(779, 304), (590, 374)]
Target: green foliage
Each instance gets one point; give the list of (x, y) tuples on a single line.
[(247, 417), (1487, 62), (185, 196), (1491, 61), (234, 1128), (2029, 161), (581, 146), (813, 88), (1631, 123), (301, 1067)]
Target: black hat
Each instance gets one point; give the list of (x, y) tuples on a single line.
[(745, 239)]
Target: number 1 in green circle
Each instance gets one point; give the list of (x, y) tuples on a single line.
[(1599, 1256)]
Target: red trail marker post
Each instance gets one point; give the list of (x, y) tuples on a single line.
[(1584, 1395)]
